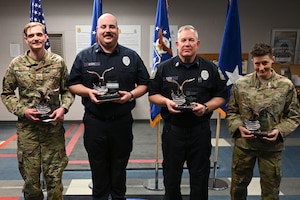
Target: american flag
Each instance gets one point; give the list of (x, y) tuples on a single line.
[(37, 15), (97, 12)]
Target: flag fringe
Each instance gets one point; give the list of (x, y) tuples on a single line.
[(222, 112), (155, 120)]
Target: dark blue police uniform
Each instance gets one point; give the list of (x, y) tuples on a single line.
[(108, 126), (187, 137)]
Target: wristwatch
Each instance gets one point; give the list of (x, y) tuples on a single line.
[(206, 109), (132, 97)]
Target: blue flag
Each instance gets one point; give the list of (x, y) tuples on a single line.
[(97, 12), (230, 58), (161, 49), (37, 15)]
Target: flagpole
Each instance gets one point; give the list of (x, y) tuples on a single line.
[(161, 34), (155, 184), (156, 160), (214, 183)]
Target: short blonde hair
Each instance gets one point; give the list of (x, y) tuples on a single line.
[(32, 24)]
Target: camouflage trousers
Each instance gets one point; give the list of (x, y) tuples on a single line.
[(41, 152), (269, 165)]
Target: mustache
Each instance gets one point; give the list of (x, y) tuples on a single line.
[(108, 34)]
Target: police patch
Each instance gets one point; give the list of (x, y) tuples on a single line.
[(126, 61), (204, 74)]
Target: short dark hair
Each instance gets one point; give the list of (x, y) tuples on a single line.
[(261, 49)]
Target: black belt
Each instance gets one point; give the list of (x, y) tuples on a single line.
[(182, 127), (185, 129)]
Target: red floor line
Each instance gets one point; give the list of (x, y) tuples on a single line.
[(78, 162), (8, 155), (144, 161), (9, 198), (74, 139), (14, 136), (67, 133)]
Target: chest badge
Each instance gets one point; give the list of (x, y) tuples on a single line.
[(126, 61), (204, 74)]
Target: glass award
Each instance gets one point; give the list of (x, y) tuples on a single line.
[(253, 125), (45, 111), (43, 107), (108, 90), (179, 97)]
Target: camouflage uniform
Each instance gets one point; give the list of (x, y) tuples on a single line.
[(39, 144), (278, 108)]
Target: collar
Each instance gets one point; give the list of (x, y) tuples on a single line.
[(195, 63), (257, 83), (32, 62), (99, 49)]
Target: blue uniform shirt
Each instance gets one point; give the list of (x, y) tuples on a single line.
[(207, 84), (129, 71)]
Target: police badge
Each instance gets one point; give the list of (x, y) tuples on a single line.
[(108, 90)]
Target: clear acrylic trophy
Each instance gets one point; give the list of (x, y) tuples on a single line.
[(43, 108), (108, 90), (253, 124), (179, 97), (45, 111)]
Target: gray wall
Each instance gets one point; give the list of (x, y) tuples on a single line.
[(257, 18)]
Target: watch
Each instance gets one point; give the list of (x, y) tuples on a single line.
[(206, 109), (132, 97)]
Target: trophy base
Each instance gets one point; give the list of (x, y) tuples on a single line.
[(45, 118), (260, 133), (185, 108), (109, 97), (44, 111)]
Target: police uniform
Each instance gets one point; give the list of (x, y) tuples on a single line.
[(278, 107), (39, 144), (186, 137), (108, 126)]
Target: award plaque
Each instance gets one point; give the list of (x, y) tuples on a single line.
[(108, 91), (179, 97)]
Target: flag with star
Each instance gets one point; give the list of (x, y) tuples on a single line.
[(161, 49), (97, 12), (37, 15), (230, 58)]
